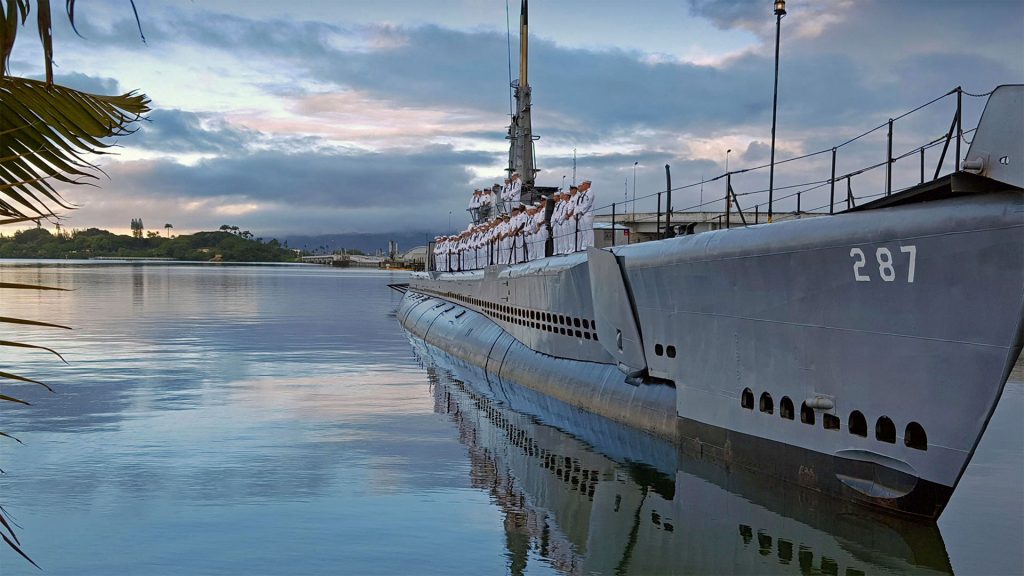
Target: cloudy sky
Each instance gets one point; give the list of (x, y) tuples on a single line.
[(324, 116)]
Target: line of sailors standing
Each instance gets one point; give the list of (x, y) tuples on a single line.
[(519, 233), (506, 197)]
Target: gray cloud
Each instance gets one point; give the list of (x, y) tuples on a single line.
[(869, 62), (730, 13), (173, 130), (316, 191), (90, 84)]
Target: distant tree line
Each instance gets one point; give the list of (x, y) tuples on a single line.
[(201, 246)]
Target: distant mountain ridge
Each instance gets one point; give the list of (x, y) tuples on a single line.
[(368, 243)]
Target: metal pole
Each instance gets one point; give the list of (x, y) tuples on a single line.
[(922, 165), (625, 199), (888, 162), (634, 190), (668, 201), (613, 223), (832, 193), (798, 203), (959, 126), (728, 201), (775, 105), (757, 213), (657, 231)]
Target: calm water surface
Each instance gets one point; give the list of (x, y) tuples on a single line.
[(277, 420)]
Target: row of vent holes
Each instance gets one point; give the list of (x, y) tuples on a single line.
[(885, 430), (559, 319), (517, 315), (670, 351), (550, 328)]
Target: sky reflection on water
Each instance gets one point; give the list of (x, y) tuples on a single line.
[(268, 420)]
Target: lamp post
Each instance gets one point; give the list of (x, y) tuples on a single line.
[(780, 11), (727, 152), (634, 189), (625, 200)]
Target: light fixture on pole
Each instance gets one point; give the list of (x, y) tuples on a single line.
[(727, 152), (780, 11)]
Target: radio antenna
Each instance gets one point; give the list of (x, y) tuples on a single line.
[(573, 165), (508, 41)]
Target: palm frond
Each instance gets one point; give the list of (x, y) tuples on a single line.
[(15, 15), (29, 286), (48, 130)]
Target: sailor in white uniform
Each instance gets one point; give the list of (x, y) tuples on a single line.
[(492, 241), (556, 223), (570, 225), (516, 232), (504, 241), (539, 229), (486, 205), (505, 189), (585, 216), (515, 189), (528, 231), (525, 217), (457, 253), (442, 254), (474, 205)]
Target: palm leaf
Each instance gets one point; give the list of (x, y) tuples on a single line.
[(33, 346), (47, 131), (29, 286), (9, 22), (9, 320), (10, 376)]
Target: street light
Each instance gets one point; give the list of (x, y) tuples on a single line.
[(625, 200), (726, 160), (780, 11), (634, 189)]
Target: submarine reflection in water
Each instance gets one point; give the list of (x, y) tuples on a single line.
[(586, 495)]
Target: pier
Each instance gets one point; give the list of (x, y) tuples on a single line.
[(345, 260)]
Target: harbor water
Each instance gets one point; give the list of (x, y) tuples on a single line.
[(216, 419)]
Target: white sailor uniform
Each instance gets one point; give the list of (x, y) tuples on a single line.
[(539, 236), (585, 218)]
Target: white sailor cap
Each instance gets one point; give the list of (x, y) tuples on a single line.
[(536, 204)]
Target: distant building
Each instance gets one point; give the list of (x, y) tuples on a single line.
[(417, 254)]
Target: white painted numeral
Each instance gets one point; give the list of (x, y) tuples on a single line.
[(861, 260), (887, 267), (912, 250), (884, 258)]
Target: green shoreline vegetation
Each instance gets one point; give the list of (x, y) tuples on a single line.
[(220, 246)]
